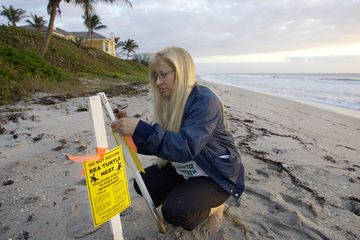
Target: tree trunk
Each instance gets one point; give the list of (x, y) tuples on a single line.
[(91, 36), (46, 41), (87, 37)]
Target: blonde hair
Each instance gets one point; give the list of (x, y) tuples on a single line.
[(169, 111)]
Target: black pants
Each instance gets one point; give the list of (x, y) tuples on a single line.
[(185, 203)]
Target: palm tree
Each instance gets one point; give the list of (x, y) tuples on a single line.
[(37, 22), (12, 14), (117, 44), (87, 6), (54, 8), (129, 47), (92, 22)]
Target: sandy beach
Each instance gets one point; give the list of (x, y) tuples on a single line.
[(302, 168)]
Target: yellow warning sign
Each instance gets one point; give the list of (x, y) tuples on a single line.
[(107, 186)]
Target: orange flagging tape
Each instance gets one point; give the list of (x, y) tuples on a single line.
[(80, 159), (131, 143)]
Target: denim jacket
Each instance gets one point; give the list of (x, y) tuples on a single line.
[(202, 138)]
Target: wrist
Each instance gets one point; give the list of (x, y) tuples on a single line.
[(143, 130)]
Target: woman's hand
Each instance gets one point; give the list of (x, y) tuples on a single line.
[(125, 126), (119, 113)]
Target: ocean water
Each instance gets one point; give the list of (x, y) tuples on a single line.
[(341, 90)]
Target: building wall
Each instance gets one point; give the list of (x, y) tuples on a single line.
[(95, 44), (112, 48), (104, 45)]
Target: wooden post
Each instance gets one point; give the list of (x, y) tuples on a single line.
[(133, 168), (99, 132)]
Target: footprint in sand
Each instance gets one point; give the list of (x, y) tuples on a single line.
[(294, 220), (329, 159), (307, 209), (352, 204), (287, 217), (262, 173)]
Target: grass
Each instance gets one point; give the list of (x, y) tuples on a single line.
[(23, 72)]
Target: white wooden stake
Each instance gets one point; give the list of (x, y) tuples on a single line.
[(133, 168), (101, 141)]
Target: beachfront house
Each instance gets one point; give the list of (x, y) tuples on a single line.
[(96, 41)]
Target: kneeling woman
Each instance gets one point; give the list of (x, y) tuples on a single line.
[(200, 167)]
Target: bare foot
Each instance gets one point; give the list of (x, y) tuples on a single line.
[(213, 223)]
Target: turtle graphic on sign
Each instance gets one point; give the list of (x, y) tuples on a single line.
[(119, 166), (93, 178)]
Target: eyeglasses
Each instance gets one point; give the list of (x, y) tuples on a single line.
[(161, 75)]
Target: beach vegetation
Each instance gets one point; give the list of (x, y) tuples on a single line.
[(36, 22), (13, 15), (66, 68), (117, 46), (128, 47)]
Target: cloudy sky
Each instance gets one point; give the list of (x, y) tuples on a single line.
[(258, 36)]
